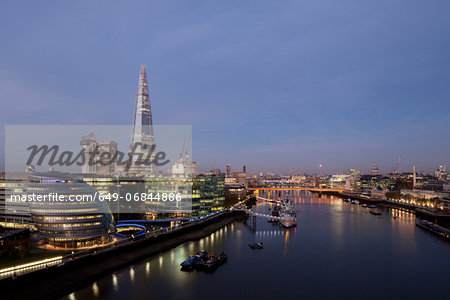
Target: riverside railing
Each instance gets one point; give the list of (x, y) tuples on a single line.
[(30, 267)]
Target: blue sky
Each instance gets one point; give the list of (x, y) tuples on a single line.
[(268, 84)]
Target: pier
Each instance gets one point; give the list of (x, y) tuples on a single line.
[(255, 214)]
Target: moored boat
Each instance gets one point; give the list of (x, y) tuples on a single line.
[(193, 260), (203, 261), (190, 262), (434, 228), (287, 214), (214, 261), (376, 212), (258, 245)]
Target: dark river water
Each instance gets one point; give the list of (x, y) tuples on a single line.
[(338, 250)]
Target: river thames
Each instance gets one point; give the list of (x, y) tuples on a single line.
[(338, 250)]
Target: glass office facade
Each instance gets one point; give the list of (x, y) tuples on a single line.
[(72, 222)]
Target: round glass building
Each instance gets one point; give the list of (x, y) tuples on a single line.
[(66, 212)]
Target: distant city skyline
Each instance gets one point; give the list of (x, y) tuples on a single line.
[(267, 85), (325, 172)]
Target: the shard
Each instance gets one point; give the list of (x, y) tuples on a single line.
[(142, 138)]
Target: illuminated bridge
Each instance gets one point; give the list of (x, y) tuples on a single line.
[(311, 189)]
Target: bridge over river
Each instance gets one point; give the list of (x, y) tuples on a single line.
[(287, 188)]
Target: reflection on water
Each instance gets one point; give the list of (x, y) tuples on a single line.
[(114, 280), (147, 268), (334, 244), (132, 273), (95, 289)]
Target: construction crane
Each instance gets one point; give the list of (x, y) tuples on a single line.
[(188, 146), (395, 169), (182, 149), (184, 154)]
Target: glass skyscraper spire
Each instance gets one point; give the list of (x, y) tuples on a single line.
[(142, 137)]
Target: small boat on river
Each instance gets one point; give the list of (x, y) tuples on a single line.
[(258, 245), (375, 212), (214, 261), (193, 260)]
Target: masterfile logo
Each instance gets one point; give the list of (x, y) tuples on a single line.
[(85, 164), (53, 155)]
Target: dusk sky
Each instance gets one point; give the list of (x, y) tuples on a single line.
[(267, 84)]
